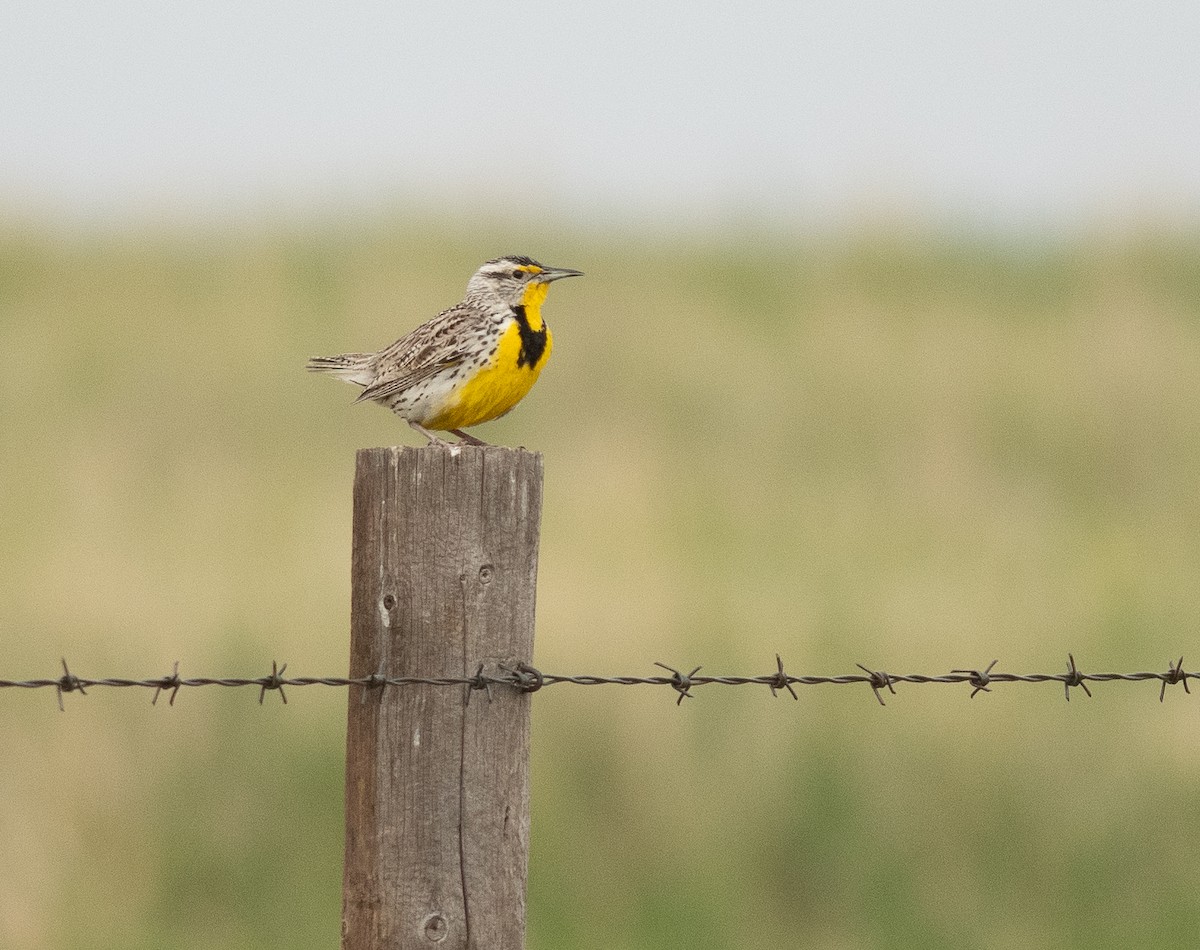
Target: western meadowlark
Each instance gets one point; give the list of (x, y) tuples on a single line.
[(469, 364)]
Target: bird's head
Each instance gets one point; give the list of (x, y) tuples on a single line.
[(516, 280)]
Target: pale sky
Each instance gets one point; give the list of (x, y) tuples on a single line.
[(1010, 111)]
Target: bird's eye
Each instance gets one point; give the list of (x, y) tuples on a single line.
[(518, 274)]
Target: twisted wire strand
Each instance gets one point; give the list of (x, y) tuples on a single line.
[(527, 678)]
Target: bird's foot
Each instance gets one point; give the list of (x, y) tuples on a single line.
[(433, 439), (467, 438)]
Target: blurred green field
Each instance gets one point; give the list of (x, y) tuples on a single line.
[(916, 450)]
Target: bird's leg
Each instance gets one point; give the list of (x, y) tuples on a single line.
[(468, 438), (433, 439)]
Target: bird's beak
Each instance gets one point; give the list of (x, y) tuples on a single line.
[(555, 273)]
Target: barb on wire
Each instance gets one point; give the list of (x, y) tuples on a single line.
[(274, 681), (878, 681), (479, 681), (378, 680), (680, 682), (1174, 675), (169, 682), (525, 678), (68, 684), (980, 679), (1074, 678), (782, 680)]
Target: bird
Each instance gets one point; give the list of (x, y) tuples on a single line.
[(471, 363)]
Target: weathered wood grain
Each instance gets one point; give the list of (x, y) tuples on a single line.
[(437, 789)]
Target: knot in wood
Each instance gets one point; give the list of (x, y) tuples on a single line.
[(435, 928)]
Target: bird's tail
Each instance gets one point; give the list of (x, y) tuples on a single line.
[(352, 367)]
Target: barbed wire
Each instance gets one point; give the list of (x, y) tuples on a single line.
[(529, 679)]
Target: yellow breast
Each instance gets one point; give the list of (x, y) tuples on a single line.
[(499, 385)]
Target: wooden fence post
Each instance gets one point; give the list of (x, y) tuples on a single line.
[(437, 788)]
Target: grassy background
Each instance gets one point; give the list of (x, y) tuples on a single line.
[(914, 450)]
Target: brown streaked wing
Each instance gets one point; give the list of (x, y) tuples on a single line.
[(428, 349), (390, 385), (432, 342)]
